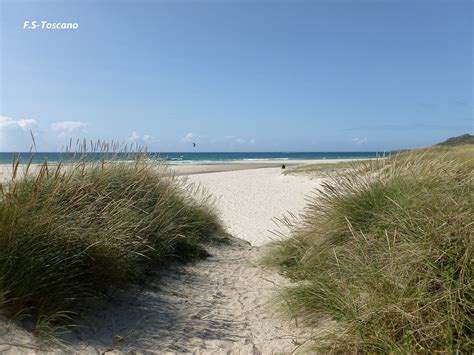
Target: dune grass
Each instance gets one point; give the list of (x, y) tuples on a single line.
[(69, 233), (325, 169), (387, 253)]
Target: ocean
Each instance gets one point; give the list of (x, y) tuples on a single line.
[(189, 157)]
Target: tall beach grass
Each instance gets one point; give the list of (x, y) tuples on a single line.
[(386, 252), (70, 232)]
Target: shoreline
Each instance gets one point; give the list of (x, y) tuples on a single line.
[(197, 168), (193, 169)]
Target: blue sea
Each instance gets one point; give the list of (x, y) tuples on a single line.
[(189, 157)]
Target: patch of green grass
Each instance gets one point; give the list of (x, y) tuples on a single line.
[(387, 252), (69, 233), (325, 169)]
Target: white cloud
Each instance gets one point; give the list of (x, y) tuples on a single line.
[(141, 140), (360, 141), (15, 134), (189, 137), (10, 123), (65, 128), (26, 124), (134, 137)]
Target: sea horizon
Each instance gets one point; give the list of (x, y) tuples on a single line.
[(186, 157)]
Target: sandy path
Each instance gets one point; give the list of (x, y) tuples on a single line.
[(220, 305), (217, 305)]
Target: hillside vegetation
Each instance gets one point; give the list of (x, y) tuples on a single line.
[(386, 253), (459, 140), (68, 234)]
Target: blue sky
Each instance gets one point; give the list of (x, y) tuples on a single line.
[(238, 75)]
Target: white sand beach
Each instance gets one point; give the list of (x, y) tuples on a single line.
[(250, 201), (218, 305)]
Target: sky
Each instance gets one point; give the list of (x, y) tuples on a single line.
[(321, 75)]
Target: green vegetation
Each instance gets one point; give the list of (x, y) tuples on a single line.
[(69, 233), (386, 253), (325, 169), (459, 140)]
